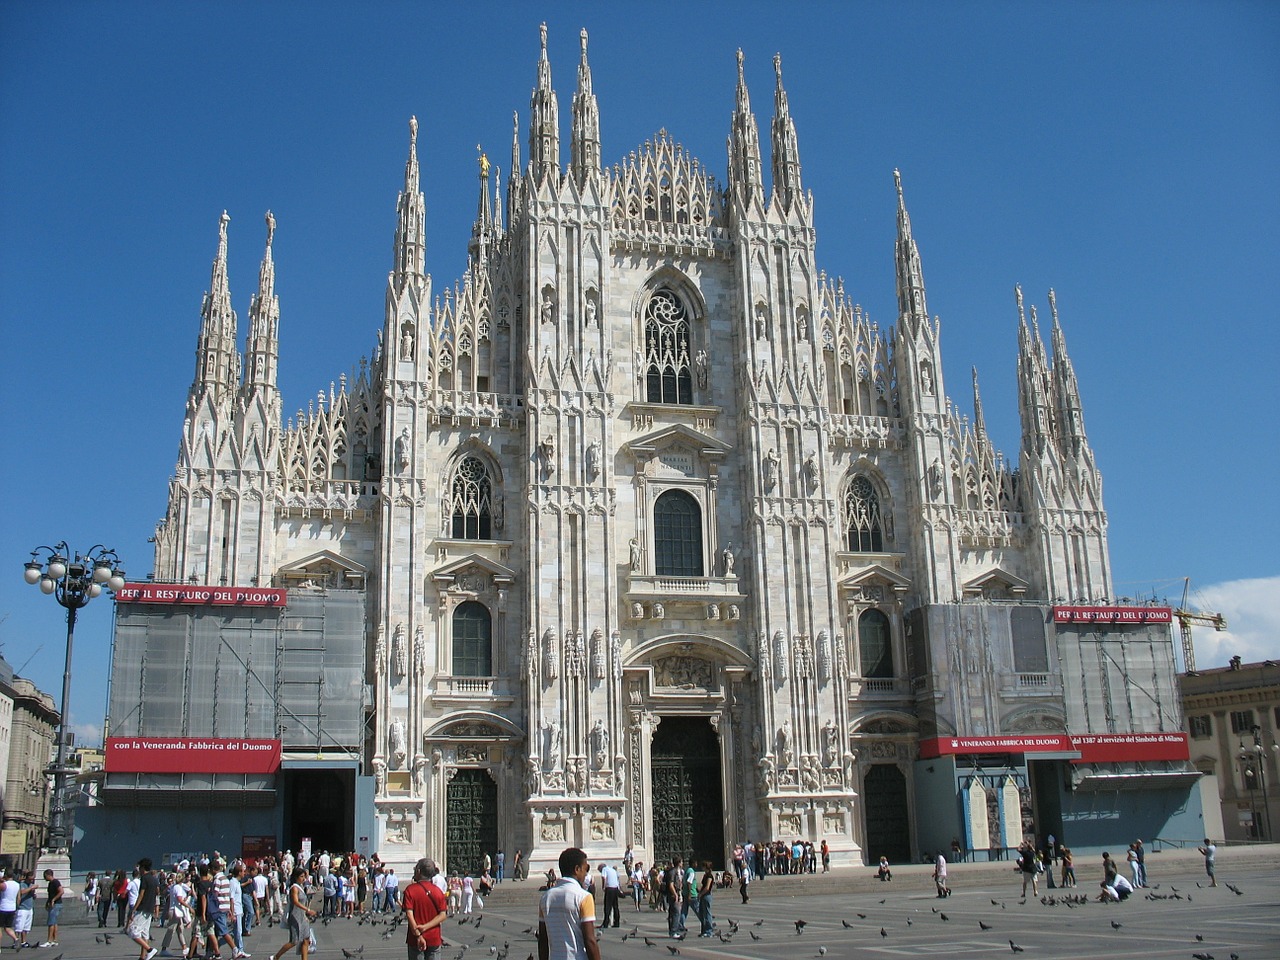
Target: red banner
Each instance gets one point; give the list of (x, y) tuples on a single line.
[(1092, 747), (1120, 615), (191, 755), (180, 593)]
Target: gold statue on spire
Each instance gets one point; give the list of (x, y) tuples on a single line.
[(484, 163)]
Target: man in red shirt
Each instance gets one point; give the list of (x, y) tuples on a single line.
[(424, 909)]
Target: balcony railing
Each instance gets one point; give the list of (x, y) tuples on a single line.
[(1032, 681), (659, 586)]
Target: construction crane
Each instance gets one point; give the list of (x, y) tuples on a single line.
[(1186, 617)]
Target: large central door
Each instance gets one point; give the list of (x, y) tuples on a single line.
[(884, 798), (688, 801), (471, 828)]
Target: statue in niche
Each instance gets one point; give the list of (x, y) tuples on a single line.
[(762, 313), (700, 365), (830, 743), (734, 612), (380, 649), (727, 559), (532, 775), (395, 737), (802, 325), (809, 778), (590, 310), (551, 662), (926, 379), (765, 768), (402, 449), (784, 751), (593, 460), (615, 654), (637, 554), (600, 744), (398, 654), (772, 462), (620, 774), (419, 772), (597, 654), (547, 309), (554, 738), (380, 774), (935, 478), (531, 655), (574, 655), (419, 651), (809, 469), (406, 343), (547, 454)]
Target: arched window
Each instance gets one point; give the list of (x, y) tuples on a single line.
[(472, 641), (471, 501), (677, 535), (668, 378), (875, 649), (862, 517)]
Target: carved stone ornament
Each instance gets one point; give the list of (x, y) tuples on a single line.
[(615, 654), (659, 611), (783, 744), (597, 654), (531, 655), (399, 654), (380, 650), (780, 665), (824, 656), (550, 655), (473, 753), (763, 657), (804, 656), (552, 831), (830, 743), (770, 467), (602, 829), (683, 673), (396, 744), (419, 652), (574, 655)]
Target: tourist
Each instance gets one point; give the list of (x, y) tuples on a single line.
[(940, 875), (705, 888), (25, 914), (298, 917), (883, 873), (424, 911), (144, 910), (1210, 852), (9, 890), (53, 907), (1029, 864), (567, 913)]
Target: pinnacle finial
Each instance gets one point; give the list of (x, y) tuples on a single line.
[(777, 67), (1053, 306), (271, 229), (542, 35), (484, 163), (1017, 294), (413, 131), (222, 224), (897, 182), (582, 38), (741, 78)]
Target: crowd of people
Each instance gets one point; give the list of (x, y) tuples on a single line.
[(19, 893)]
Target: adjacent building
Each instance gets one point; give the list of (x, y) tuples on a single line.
[(1233, 715), (641, 533), (33, 722)]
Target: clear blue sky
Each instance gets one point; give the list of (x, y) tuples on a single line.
[(1127, 155)]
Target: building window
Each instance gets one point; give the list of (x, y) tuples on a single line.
[(472, 641), (876, 651), (668, 378), (862, 517), (1241, 721), (471, 501), (1030, 655), (1201, 727), (677, 535)]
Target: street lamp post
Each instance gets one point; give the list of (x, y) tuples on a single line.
[(1258, 756), (73, 580)]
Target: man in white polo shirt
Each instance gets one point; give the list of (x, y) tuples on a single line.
[(567, 914)]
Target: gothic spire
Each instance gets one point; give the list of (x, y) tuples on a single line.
[(786, 149), (1033, 386), (497, 201), (482, 229), (411, 221), (1066, 388), (584, 159), (744, 145), (979, 418), (217, 356), (912, 309), (513, 175), (544, 120), (263, 348)]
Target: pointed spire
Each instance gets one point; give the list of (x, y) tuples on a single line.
[(1065, 386), (745, 169), (482, 229), (263, 349), (1033, 385), (497, 200), (979, 418), (217, 354), (513, 175), (584, 150), (912, 310), (544, 120), (786, 149), (411, 220)]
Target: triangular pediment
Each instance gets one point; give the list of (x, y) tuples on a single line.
[(473, 563), (324, 568), (654, 444), (877, 574), (996, 579)]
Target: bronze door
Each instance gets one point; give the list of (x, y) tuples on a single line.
[(884, 803), (688, 806), (471, 825)]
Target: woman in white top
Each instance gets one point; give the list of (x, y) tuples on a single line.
[(180, 916), (468, 894)]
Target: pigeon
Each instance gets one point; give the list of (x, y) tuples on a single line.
[(1116, 926), (352, 954), (1203, 956), (800, 925), (1234, 956), (480, 939), (462, 920), (1014, 947), (493, 950), (754, 936), (822, 951), (530, 930), (846, 924), (674, 951), (882, 902), (723, 938), (1198, 936), (862, 916), (635, 931), (909, 921), (97, 938), (995, 903), (649, 943), (944, 916), (106, 938), (884, 932), (476, 921), (759, 923), (983, 926)]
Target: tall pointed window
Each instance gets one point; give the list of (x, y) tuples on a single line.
[(472, 641), (875, 653), (677, 535), (668, 378), (862, 517), (471, 501)]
